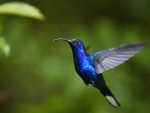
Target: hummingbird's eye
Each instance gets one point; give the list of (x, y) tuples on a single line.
[(77, 42)]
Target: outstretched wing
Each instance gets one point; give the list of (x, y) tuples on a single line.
[(108, 59)]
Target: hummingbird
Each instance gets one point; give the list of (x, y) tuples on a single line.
[(90, 67)]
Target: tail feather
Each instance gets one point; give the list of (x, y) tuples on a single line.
[(111, 98), (101, 85), (112, 101)]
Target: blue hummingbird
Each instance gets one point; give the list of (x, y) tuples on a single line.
[(91, 67)]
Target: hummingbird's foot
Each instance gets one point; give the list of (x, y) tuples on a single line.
[(92, 82)]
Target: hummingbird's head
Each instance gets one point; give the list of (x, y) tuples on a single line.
[(75, 44)]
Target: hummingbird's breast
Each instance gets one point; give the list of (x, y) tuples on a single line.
[(84, 67)]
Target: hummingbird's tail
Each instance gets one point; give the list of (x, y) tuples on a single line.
[(101, 85)]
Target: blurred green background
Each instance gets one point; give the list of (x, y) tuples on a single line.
[(39, 77)]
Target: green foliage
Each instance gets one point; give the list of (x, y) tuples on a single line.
[(21, 9), (4, 46)]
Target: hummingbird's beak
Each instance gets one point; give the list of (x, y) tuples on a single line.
[(63, 39)]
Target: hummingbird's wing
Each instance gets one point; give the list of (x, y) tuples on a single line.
[(108, 59)]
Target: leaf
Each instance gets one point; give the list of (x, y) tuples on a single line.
[(21, 9), (4, 46)]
